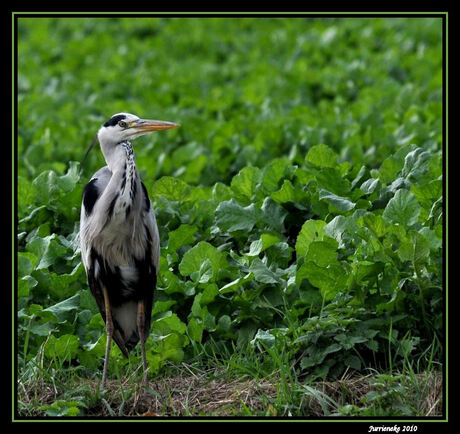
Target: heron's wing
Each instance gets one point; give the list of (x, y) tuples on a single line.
[(152, 228), (91, 193), (148, 267)]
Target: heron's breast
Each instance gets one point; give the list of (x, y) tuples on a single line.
[(121, 245)]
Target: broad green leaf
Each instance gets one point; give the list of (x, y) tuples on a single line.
[(321, 156), (25, 284), (61, 285), (363, 270), (273, 173), (182, 236), (63, 348), (430, 235), (369, 186), (195, 329), (393, 164), (427, 194), (363, 172), (336, 203), (317, 355), (231, 216), (235, 284), (204, 274), (200, 310), (403, 208), (245, 182), (166, 323), (62, 309), (168, 347), (332, 180), (287, 193), (349, 342), (38, 215), (225, 323), (263, 243), (415, 164), (62, 408), (48, 250), (274, 214), (221, 192), (26, 195), (68, 181), (353, 362), (329, 280), (87, 301), (415, 248), (197, 255), (322, 253), (262, 273), (171, 188), (162, 306), (41, 329), (209, 294), (265, 337), (50, 187), (312, 230), (46, 187), (194, 168), (376, 223), (341, 228), (389, 169), (26, 263)]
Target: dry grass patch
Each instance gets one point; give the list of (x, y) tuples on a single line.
[(212, 394), (189, 396)]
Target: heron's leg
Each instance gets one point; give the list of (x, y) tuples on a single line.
[(109, 329), (141, 331)]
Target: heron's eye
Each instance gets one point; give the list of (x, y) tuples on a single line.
[(122, 124)]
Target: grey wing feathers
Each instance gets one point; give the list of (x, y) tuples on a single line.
[(127, 281), (91, 193), (152, 228)]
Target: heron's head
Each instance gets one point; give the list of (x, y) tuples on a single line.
[(126, 126)]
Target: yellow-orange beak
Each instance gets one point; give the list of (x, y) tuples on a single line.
[(147, 125)]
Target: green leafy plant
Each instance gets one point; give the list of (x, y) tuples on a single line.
[(299, 205)]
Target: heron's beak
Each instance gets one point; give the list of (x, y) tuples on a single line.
[(146, 125)]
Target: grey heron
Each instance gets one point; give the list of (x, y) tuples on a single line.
[(119, 238)]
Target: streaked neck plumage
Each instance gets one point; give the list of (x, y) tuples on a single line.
[(117, 155), (125, 180)]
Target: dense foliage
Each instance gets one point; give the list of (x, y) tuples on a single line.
[(299, 204)]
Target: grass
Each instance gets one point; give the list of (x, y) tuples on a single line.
[(192, 391), (230, 383)]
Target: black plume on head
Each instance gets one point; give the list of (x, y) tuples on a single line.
[(114, 120)]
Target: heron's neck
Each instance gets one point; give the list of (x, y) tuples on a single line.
[(130, 177), (125, 181), (120, 157)]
